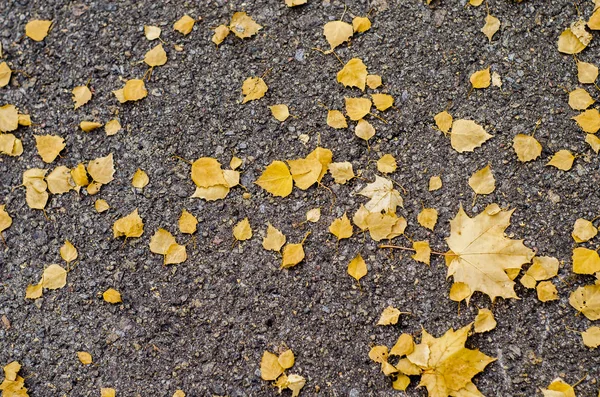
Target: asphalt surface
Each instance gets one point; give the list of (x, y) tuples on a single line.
[(202, 326)]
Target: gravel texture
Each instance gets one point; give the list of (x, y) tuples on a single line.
[(202, 326)]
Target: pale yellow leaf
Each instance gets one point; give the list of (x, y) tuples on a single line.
[(187, 222), (353, 74), (134, 90), (482, 181), (221, 32), (484, 321), (270, 369), (292, 255), (336, 119), (583, 230), (101, 205), (184, 25), (286, 359), (140, 179), (156, 56), (443, 121), (383, 196), (274, 239), (84, 357), (435, 183), (587, 73), (373, 81), (175, 254), (357, 108), (563, 160), (129, 226), (37, 30), (579, 99), (428, 218), (341, 172), (102, 169), (305, 172), (467, 135), (313, 215), (280, 112), (49, 146), (9, 118), (341, 227), (151, 32), (253, 88), (336, 32), (389, 316), (112, 127), (382, 101), (589, 121), (585, 261), (68, 251), (526, 147), (460, 291), (492, 24), (591, 337), (364, 130), (242, 230), (586, 300), (386, 164), (546, 291), (243, 26), (88, 126), (81, 95), (5, 74), (54, 277), (5, 218), (361, 24), (422, 252)]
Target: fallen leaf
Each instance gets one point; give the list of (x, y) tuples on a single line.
[(79, 175), (382, 101), (274, 239), (422, 252), (68, 252), (34, 291), (10, 145), (496, 80), (357, 108), (81, 95), (101, 205), (107, 392), (111, 295), (389, 316), (59, 180), (84, 357), (591, 337), (276, 179), (492, 24), (313, 215), (305, 172), (243, 26), (156, 56), (353, 74), (54, 277), (5, 74), (184, 25), (292, 255), (404, 346), (589, 121), (341, 172), (9, 118), (546, 291), (572, 41), (482, 181), (435, 183), (563, 160), (134, 90), (583, 230), (140, 179), (221, 33), (482, 253), (337, 32), (373, 81), (207, 172), (294, 3), (161, 241), (428, 218), (383, 196), (526, 147), (187, 222), (49, 146), (460, 291), (175, 254), (585, 261), (286, 359), (336, 119), (235, 163), (102, 169), (270, 369), (443, 121), (129, 226), (467, 135), (386, 164), (179, 393), (151, 32), (357, 268), (341, 227), (364, 130), (586, 300), (112, 127), (481, 78), (280, 112), (579, 99), (484, 321), (361, 24), (88, 126), (5, 219), (253, 88), (587, 73), (543, 268), (242, 230), (37, 30)]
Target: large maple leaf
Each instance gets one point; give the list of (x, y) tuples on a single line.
[(481, 255)]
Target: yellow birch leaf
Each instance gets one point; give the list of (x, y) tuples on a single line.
[(207, 172), (134, 90), (323, 156), (221, 33), (401, 382), (34, 291), (212, 193), (435, 183), (360, 218), (36, 199), (361, 24), (364, 130), (274, 239), (112, 127), (341, 172), (482, 254), (569, 43), (546, 291), (313, 215), (475, 3), (589, 121), (305, 172), (88, 126), (270, 369), (341, 227), (242, 230), (492, 24), (111, 295), (587, 73), (443, 121), (336, 119), (481, 78), (140, 179), (467, 135), (583, 230), (84, 357), (81, 95), (5, 74), (161, 241), (102, 169), (386, 164), (108, 392), (404, 346), (295, 384), (526, 147), (428, 218), (379, 354), (54, 277), (353, 74), (280, 112), (382, 101), (235, 163), (179, 393), (9, 118), (184, 25), (373, 81), (10, 145), (563, 160), (5, 218), (119, 95), (585, 261), (460, 291), (496, 80), (129, 226), (243, 26), (187, 222), (286, 359), (482, 181), (594, 21), (68, 252), (591, 337), (357, 108), (422, 252), (152, 32), (528, 281), (579, 99), (49, 146), (543, 268), (11, 371), (231, 177), (389, 316), (484, 321), (79, 175), (357, 268), (294, 3), (175, 254), (101, 205), (37, 30), (336, 32), (586, 300), (253, 88), (292, 255), (156, 56), (93, 188)]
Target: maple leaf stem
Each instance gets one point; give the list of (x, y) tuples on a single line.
[(181, 158), (398, 247)]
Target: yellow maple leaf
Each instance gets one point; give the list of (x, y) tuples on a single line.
[(353, 74), (482, 254), (253, 88)]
